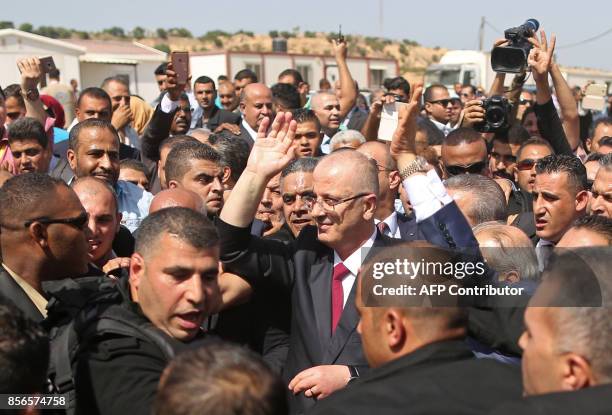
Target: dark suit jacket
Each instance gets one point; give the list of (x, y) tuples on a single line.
[(218, 117), (13, 292), (357, 121), (590, 401), (244, 135), (439, 378), (305, 267), (409, 229)]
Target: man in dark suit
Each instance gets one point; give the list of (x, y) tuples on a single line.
[(255, 105), (322, 264), (44, 237), (566, 329), (388, 221), (205, 93), (418, 354)]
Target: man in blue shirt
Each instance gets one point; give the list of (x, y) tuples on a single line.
[(93, 150)]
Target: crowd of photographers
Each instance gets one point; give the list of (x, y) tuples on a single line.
[(211, 252)]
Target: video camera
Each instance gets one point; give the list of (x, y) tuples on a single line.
[(497, 114), (512, 58)]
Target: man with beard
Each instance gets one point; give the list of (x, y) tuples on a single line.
[(212, 117), (93, 150), (270, 209), (503, 155), (196, 167), (227, 96)]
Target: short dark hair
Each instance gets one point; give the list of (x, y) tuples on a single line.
[(535, 141), (132, 164), (597, 123), (222, 78), (185, 224), (220, 378), (562, 163), (398, 82), (54, 73), (297, 76), (205, 80), (606, 161), (429, 91), (605, 141), (286, 95), (302, 115), (304, 164), (181, 155), (161, 69), (593, 157), (435, 137), (170, 142), (472, 87), (94, 92), (599, 224), (462, 135), (14, 91), (24, 352), (116, 78), (233, 152), (27, 128), (245, 74), (515, 135), (75, 132), (22, 194)]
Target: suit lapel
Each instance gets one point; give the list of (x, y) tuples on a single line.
[(12, 291), (320, 292)]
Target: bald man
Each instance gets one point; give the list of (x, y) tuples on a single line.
[(326, 106), (390, 222), (319, 270), (100, 202), (255, 105), (177, 197)]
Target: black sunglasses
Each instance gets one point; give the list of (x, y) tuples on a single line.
[(526, 164), (443, 102), (79, 222), (474, 168)]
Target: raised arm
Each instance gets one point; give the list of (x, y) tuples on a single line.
[(30, 77), (569, 107), (348, 90), (268, 157)]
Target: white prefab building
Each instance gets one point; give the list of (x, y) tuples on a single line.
[(87, 61), (368, 72)]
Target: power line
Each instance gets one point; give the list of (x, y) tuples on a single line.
[(571, 45)]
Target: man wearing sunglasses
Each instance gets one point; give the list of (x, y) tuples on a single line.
[(527, 156), (438, 106), (43, 237), (464, 151)]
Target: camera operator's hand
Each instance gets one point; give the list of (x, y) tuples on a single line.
[(541, 56), (473, 113)]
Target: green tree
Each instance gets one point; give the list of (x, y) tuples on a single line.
[(115, 31), (26, 27), (161, 33), (310, 34), (273, 33), (138, 32), (163, 47), (5, 24), (179, 32)]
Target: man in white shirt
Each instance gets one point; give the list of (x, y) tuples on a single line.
[(255, 105)]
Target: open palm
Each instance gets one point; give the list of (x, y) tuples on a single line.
[(274, 151)]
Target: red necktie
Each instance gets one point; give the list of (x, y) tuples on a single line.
[(340, 271), (382, 227)]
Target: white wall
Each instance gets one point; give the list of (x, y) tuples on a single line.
[(274, 65), (209, 65), (13, 48)]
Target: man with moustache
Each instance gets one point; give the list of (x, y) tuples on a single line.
[(296, 185), (212, 117), (601, 192), (255, 105)]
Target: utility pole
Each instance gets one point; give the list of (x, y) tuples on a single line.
[(481, 34)]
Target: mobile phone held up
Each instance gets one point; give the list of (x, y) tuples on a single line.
[(180, 63)]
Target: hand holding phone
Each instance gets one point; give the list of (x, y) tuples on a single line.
[(389, 118), (594, 97), (180, 64), (47, 64)]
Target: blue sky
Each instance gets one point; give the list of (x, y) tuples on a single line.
[(445, 23)]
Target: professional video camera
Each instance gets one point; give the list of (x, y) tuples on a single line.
[(512, 58), (497, 114)]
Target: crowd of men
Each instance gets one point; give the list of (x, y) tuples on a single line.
[(210, 252)]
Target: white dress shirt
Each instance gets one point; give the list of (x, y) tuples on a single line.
[(392, 230), (353, 263), (426, 193), (251, 132), (325, 148)]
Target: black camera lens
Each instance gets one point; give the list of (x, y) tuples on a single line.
[(495, 116)]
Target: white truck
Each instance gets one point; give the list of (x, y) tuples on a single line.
[(474, 68)]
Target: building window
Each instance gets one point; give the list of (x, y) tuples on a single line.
[(377, 78), (255, 67), (305, 71)]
